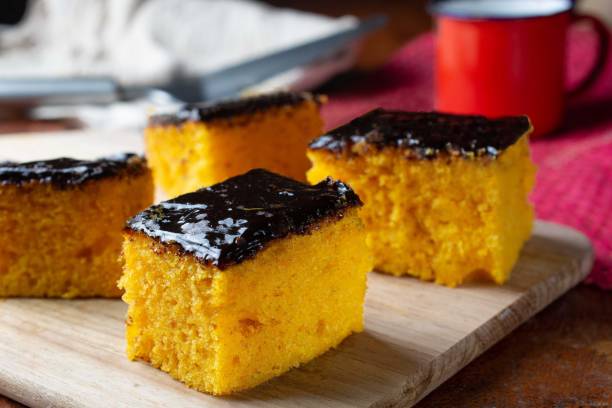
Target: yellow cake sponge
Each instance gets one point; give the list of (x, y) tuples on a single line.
[(446, 196)]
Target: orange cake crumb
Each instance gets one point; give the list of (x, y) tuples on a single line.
[(61, 224), (232, 285), (205, 144), (446, 196)]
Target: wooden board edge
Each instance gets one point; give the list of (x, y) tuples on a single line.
[(432, 375), (21, 392), (429, 376)]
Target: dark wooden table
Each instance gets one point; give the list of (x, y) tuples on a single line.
[(560, 358)]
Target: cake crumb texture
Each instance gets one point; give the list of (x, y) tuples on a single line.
[(221, 331), (187, 155), (449, 219), (65, 242)]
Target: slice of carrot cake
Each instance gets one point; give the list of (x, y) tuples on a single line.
[(446, 196), (231, 285), (205, 144), (61, 224)]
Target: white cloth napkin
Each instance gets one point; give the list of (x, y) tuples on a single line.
[(148, 41)]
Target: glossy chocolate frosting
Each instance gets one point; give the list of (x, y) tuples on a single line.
[(230, 222), (426, 134), (65, 172), (229, 109)]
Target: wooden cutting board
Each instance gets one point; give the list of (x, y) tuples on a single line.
[(70, 353)]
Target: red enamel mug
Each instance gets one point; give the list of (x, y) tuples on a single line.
[(508, 57)]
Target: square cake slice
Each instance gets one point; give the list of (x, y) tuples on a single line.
[(233, 284), (446, 196), (61, 224), (205, 144)]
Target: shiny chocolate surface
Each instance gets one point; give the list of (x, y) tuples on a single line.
[(426, 134), (64, 172), (232, 221)]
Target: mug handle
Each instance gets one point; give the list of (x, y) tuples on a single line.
[(603, 40)]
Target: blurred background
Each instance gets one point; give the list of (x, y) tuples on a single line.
[(138, 44)]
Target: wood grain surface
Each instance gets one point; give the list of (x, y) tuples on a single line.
[(70, 353)]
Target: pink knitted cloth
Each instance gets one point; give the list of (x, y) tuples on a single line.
[(574, 182)]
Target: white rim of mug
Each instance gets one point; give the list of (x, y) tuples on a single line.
[(483, 9)]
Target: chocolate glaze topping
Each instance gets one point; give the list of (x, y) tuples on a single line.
[(426, 134), (205, 112), (64, 172), (229, 222)]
